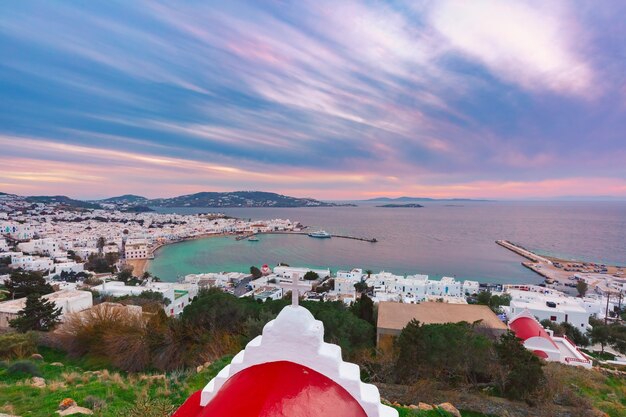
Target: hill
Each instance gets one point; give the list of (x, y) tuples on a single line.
[(237, 199), (136, 203), (62, 200), (125, 199)]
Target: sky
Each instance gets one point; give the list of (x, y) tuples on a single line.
[(314, 98)]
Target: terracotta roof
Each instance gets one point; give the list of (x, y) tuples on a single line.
[(395, 316)]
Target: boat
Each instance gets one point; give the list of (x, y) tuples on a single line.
[(253, 239), (320, 234)]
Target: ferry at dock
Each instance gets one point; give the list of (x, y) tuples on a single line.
[(320, 234)]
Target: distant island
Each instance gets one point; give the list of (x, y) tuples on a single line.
[(136, 203), (410, 205), (407, 199)]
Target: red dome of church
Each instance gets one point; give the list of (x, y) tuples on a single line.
[(276, 389), (526, 327)]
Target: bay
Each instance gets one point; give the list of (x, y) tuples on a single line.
[(440, 239)]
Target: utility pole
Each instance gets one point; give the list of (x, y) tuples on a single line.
[(606, 313)]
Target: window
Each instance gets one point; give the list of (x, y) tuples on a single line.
[(552, 318)]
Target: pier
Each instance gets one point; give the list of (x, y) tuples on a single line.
[(523, 252), (361, 239)]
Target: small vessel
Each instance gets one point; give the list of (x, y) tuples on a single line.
[(253, 239), (320, 234)]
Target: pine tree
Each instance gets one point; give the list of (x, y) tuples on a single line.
[(38, 314), (23, 283)]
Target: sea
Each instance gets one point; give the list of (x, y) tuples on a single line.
[(455, 239)]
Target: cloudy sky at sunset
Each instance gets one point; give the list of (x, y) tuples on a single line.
[(325, 99)]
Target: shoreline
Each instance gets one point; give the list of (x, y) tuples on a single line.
[(143, 265), (481, 279)]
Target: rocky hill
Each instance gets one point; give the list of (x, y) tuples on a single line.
[(203, 199)]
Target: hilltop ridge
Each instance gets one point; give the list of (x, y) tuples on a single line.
[(201, 199)]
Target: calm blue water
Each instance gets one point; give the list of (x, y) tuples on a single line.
[(439, 239)]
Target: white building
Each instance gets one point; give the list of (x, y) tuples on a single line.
[(16, 230), (4, 246), (31, 263), (552, 306), (271, 293), (137, 250), (418, 287), (471, 287), (68, 267), (345, 287), (354, 275), (47, 247), (70, 301), (179, 295), (286, 272)]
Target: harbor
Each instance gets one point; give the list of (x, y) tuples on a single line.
[(361, 239), (564, 274)]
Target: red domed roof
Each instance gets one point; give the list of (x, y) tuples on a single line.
[(526, 327), (276, 389)]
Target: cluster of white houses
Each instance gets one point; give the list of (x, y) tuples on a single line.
[(409, 289), (42, 238)]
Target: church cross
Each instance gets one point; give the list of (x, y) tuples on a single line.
[(295, 288)]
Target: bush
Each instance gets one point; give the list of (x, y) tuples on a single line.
[(311, 276), (94, 403), (451, 352), (105, 331), (17, 345), (23, 368), (145, 407)]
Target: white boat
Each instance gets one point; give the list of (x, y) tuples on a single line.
[(320, 234), (253, 239)]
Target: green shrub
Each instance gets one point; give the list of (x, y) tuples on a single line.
[(94, 403), (153, 407), (23, 367), (17, 345)]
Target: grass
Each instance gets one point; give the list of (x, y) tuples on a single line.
[(605, 392), (87, 383), (407, 412), (92, 381)]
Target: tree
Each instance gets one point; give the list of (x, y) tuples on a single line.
[(360, 287), (599, 333), (100, 245), (126, 274), (23, 283), (522, 370), (450, 352), (363, 308), (582, 287), (38, 314), (495, 302), (369, 273), (255, 272), (100, 264), (566, 329), (311, 276), (617, 338)]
